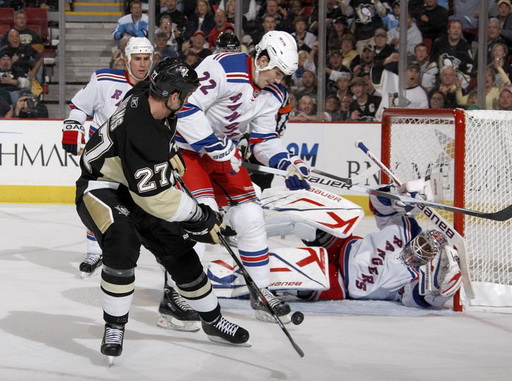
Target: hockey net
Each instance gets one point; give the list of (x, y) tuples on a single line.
[(471, 152)]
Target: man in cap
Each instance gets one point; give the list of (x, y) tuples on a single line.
[(382, 49), (364, 106)]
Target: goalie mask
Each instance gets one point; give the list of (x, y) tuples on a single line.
[(423, 248), (138, 45)]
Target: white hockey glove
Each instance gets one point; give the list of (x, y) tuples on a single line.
[(440, 281), (176, 160), (73, 137), (385, 207), (418, 187), (297, 171), (226, 155)]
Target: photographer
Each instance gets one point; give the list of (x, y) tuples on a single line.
[(29, 106)]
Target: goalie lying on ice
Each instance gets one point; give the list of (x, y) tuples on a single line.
[(399, 262)]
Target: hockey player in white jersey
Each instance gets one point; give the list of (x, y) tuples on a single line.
[(400, 262), (99, 99), (240, 94)]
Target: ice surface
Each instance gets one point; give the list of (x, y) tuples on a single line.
[(51, 325)]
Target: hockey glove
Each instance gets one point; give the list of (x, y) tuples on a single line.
[(231, 165), (73, 137), (207, 228), (385, 207), (297, 171), (176, 160), (418, 187), (445, 275)]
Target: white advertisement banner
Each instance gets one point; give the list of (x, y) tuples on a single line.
[(31, 153), (330, 147)]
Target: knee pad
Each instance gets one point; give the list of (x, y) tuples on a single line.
[(247, 220)]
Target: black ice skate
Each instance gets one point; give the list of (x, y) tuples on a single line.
[(282, 309), (223, 331), (175, 313), (91, 262), (112, 343)]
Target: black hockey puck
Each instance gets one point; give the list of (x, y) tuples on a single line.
[(297, 317)]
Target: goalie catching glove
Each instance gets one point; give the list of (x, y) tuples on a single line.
[(441, 282), (73, 137), (207, 228), (297, 172)]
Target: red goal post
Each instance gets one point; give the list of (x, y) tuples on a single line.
[(470, 152)]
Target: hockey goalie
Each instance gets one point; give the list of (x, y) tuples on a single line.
[(399, 262)]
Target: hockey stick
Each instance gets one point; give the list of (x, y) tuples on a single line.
[(340, 183), (253, 288), (453, 236)]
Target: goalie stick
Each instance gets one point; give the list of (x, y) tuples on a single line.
[(346, 184), (453, 236), (248, 279)]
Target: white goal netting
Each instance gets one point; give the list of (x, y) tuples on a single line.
[(471, 152)]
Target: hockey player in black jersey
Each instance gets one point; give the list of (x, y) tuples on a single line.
[(127, 196)]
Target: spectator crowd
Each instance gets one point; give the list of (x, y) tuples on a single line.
[(362, 42)]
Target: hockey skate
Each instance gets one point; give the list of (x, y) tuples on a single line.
[(223, 331), (91, 262), (176, 314), (112, 343), (282, 309)]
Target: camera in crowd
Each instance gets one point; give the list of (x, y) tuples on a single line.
[(31, 107), (31, 101)]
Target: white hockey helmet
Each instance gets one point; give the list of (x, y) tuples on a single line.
[(281, 49), (138, 45)]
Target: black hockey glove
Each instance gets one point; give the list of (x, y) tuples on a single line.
[(207, 229)]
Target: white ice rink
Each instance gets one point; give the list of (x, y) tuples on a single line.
[(51, 325)]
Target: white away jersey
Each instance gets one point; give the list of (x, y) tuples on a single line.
[(372, 268), (227, 104), (100, 97)]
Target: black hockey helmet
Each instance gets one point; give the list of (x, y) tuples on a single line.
[(172, 75), (228, 42)]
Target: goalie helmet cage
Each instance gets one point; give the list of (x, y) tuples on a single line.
[(471, 153)]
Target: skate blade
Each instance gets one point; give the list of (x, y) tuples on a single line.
[(268, 318), (85, 275), (220, 340), (169, 322)]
